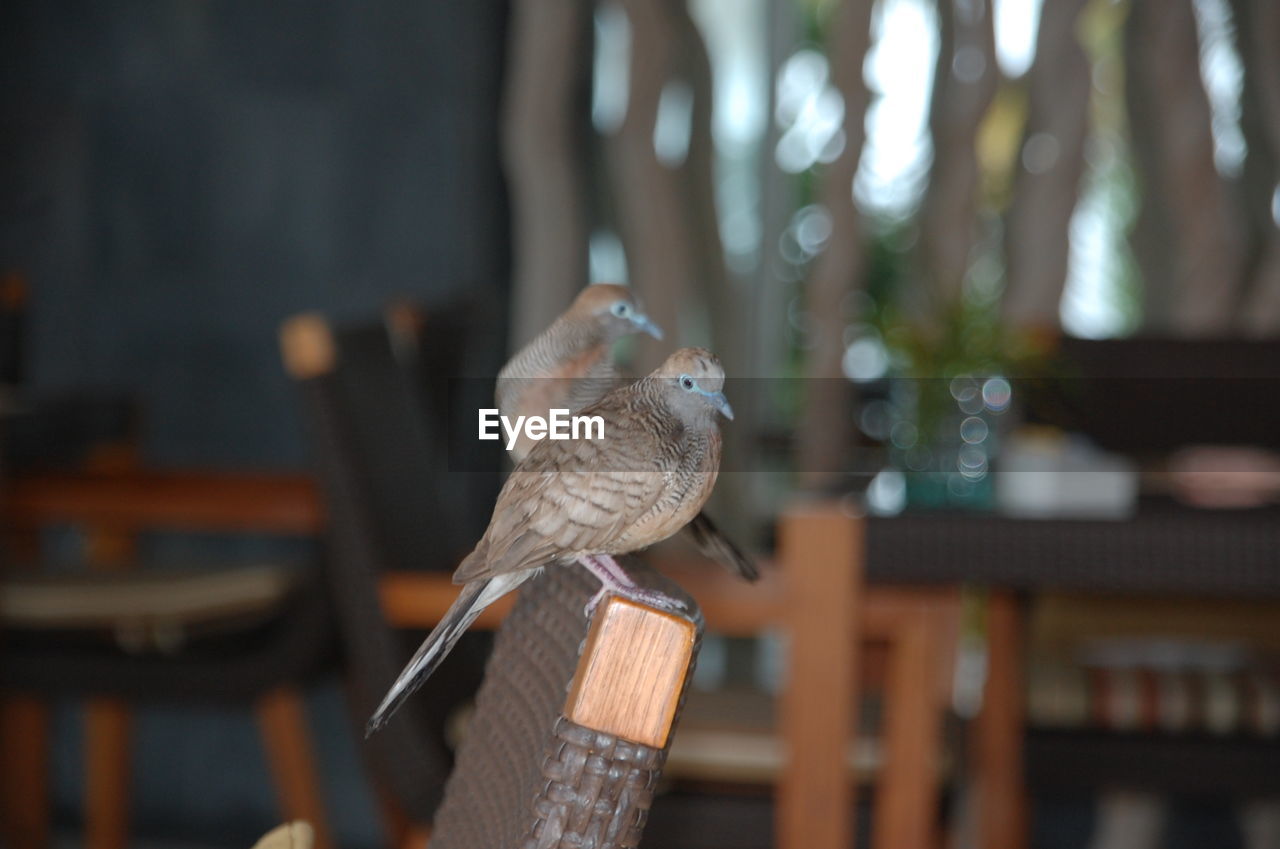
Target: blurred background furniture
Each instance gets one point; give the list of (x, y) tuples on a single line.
[(1164, 551), (380, 458), (1147, 398), (250, 636), (843, 192)]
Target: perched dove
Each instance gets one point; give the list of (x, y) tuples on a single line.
[(587, 500), (570, 366)]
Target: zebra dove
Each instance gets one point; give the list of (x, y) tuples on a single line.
[(587, 500), (568, 366)]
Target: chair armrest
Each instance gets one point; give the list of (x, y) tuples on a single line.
[(527, 773), (187, 500)]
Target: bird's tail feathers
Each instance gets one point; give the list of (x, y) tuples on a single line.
[(714, 544), (473, 599)]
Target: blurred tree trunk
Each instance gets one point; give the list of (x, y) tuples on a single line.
[(767, 307), (1257, 181), (542, 123), (1038, 225), (1174, 145), (698, 178), (725, 310), (661, 255), (1152, 230), (1258, 40), (827, 425), (964, 85)]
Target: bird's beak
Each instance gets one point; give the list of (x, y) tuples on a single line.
[(645, 325), (721, 403)]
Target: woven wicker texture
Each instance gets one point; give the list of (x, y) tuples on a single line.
[(525, 776), (1164, 549), (597, 792)]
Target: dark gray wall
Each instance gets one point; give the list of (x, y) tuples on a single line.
[(175, 178)]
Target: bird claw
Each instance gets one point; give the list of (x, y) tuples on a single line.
[(651, 598), (589, 609)]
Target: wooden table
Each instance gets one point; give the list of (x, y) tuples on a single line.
[(1165, 549)]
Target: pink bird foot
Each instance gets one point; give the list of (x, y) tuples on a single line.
[(614, 580)]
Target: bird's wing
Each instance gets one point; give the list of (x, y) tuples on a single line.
[(572, 496)]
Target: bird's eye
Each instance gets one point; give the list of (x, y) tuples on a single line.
[(620, 309), (686, 382)]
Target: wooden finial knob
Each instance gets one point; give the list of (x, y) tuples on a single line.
[(13, 291), (405, 320), (306, 343)]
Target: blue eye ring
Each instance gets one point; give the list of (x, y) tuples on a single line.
[(687, 383), (620, 309)]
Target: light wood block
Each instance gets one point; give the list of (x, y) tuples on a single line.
[(632, 672)]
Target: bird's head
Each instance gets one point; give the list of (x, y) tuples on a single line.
[(693, 381), (615, 310)]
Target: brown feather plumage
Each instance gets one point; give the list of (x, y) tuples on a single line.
[(569, 366), (643, 482)]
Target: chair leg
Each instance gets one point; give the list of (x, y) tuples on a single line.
[(24, 771), (906, 804), (108, 733), (821, 550), (402, 832), (998, 730), (282, 720)]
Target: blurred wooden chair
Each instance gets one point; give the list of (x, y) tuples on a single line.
[(381, 460), (117, 638), (844, 640)]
